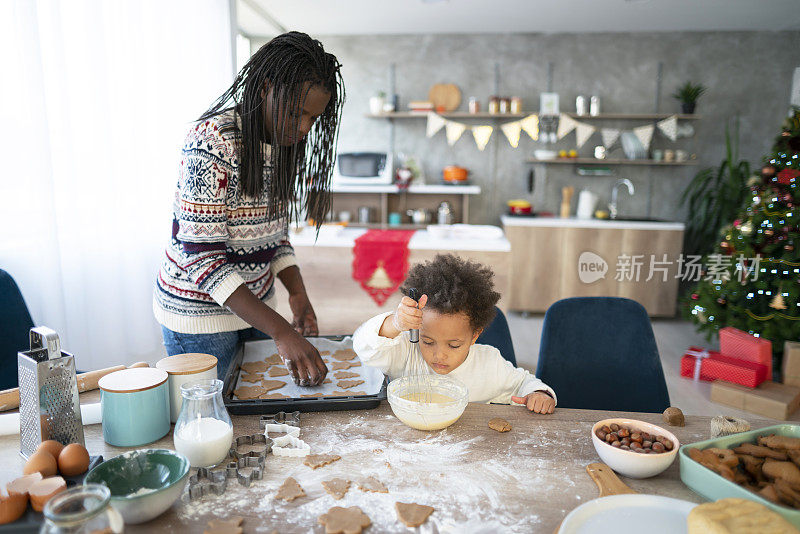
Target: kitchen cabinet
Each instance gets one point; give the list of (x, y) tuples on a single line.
[(545, 266)]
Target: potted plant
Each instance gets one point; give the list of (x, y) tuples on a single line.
[(376, 103), (688, 94)]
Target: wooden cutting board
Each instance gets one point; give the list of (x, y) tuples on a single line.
[(446, 96)]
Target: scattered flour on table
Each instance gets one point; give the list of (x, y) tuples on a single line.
[(437, 469)]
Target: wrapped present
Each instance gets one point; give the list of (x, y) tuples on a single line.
[(770, 399), (736, 343), (700, 364), (791, 363)]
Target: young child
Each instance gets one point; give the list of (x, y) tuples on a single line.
[(457, 302)]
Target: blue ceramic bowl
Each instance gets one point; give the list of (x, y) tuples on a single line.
[(144, 484)]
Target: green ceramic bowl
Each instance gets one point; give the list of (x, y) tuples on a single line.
[(143, 483), (710, 485)]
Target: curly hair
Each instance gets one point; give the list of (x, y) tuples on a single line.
[(455, 285)]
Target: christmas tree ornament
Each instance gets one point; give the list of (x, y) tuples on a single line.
[(695, 296), (788, 247), (768, 171), (769, 232), (747, 228), (778, 302), (721, 301)]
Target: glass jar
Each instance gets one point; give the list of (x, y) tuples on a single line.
[(505, 105), (82, 510), (516, 104), (494, 104), (204, 431), (474, 105)]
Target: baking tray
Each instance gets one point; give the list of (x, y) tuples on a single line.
[(260, 349), (31, 521), (710, 485)]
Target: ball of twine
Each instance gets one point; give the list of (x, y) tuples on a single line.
[(723, 425)]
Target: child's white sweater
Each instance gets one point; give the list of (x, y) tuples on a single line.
[(488, 377)]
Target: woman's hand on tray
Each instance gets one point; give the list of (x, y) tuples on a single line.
[(304, 320), (302, 358)]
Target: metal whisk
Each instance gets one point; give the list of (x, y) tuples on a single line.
[(418, 369)]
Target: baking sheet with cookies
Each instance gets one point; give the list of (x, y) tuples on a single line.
[(259, 381)]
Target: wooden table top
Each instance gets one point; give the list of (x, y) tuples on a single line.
[(525, 480)]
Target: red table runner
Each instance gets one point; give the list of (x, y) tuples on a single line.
[(380, 262)]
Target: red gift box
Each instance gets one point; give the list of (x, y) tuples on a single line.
[(715, 366), (739, 344)]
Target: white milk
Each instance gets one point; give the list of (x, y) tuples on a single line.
[(205, 441)]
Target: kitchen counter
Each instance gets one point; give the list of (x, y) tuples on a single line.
[(572, 222), (421, 240), (525, 480)]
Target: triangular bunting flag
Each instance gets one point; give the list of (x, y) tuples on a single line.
[(645, 134), (454, 131), (610, 136), (512, 130), (669, 127), (435, 123), (482, 135), (531, 126), (583, 132), (565, 125)]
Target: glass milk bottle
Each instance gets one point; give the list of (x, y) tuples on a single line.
[(82, 509), (203, 432)]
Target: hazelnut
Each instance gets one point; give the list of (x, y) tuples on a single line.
[(658, 447), (614, 427), (635, 436), (642, 451), (616, 444), (625, 441), (605, 429), (612, 437), (625, 447), (624, 433), (601, 435), (635, 445), (647, 444)]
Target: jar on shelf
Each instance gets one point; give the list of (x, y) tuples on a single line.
[(505, 105), (594, 106), (82, 509), (204, 431), (494, 104), (474, 105), (516, 104)]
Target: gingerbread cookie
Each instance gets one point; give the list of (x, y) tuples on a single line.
[(340, 520), (347, 384), (274, 359), (254, 367), (290, 490), (501, 425), (336, 487), (345, 374), (372, 484), (344, 365), (224, 526), (344, 355), (315, 461), (278, 371), (257, 377), (324, 352), (269, 385), (273, 396), (249, 392), (346, 393), (412, 515)]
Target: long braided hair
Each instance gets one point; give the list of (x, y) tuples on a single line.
[(300, 173)]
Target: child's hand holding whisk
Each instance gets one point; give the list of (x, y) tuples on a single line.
[(407, 316), (537, 402)]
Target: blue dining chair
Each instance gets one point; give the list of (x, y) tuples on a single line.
[(15, 325), (498, 336), (600, 353)]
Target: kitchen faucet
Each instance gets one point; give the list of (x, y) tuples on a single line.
[(612, 206)]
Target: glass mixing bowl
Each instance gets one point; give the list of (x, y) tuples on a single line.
[(448, 397)]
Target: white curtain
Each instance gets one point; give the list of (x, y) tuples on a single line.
[(97, 96)]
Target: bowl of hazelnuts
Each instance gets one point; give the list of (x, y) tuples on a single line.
[(634, 448)]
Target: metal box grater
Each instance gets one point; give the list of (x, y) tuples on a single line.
[(48, 393)]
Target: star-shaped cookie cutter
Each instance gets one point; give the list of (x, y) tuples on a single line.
[(291, 418), (208, 480), (256, 463), (252, 439)]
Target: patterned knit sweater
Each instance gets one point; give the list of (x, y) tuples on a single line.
[(220, 237)]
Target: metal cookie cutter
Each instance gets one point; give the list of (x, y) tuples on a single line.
[(253, 439), (291, 418), (207, 480), (256, 473)]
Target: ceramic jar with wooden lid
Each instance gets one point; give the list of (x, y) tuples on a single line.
[(184, 368), (135, 406)]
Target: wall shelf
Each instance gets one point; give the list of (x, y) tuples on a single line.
[(501, 116), (633, 116), (593, 161)]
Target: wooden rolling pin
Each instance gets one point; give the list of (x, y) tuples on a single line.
[(9, 398)]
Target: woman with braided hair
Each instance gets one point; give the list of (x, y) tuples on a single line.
[(259, 157)]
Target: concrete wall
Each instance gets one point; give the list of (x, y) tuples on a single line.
[(748, 74)]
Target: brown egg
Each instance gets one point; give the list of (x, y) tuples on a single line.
[(20, 486), (42, 491), (51, 446), (12, 507), (73, 460), (43, 462)]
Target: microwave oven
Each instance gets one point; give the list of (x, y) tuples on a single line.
[(363, 168)]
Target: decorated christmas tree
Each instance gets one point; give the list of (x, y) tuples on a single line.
[(751, 281)]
